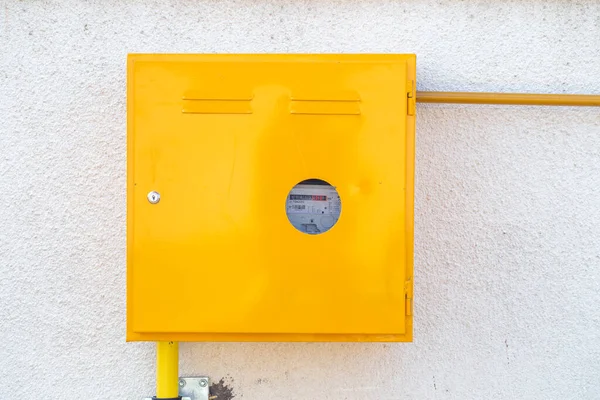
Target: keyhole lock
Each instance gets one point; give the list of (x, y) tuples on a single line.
[(153, 197)]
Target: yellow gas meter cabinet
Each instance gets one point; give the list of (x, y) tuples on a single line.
[(270, 197)]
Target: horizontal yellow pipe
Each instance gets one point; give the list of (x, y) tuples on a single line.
[(167, 370), (510, 98)]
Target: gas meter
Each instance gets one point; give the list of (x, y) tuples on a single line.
[(313, 206)]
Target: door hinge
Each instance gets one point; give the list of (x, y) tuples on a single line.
[(408, 290), (410, 97)]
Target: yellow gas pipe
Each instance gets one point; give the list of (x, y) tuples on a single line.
[(509, 98), (167, 370)]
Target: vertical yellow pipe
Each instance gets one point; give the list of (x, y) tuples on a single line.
[(167, 370)]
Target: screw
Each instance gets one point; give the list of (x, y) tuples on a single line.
[(153, 197), (203, 382), (181, 382)]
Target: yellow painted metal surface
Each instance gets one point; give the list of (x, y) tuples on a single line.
[(167, 370), (223, 139)]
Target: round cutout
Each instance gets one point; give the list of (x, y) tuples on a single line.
[(313, 206)]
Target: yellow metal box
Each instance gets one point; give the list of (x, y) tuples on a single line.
[(270, 197)]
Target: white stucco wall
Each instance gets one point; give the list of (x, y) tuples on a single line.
[(507, 246)]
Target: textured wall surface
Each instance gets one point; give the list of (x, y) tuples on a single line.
[(507, 246)]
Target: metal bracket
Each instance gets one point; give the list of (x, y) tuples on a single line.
[(194, 387)]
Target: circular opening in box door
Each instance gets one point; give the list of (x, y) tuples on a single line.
[(313, 206)]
